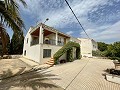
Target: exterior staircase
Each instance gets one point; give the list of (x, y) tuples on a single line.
[(50, 62)]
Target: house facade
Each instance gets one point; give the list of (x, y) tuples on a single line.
[(87, 46), (42, 42)]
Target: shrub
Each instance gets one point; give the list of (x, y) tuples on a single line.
[(115, 58), (97, 53), (66, 48)]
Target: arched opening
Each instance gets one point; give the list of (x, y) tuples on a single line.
[(68, 48), (25, 53)]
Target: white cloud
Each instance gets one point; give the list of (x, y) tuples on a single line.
[(60, 15), (69, 32), (107, 33)]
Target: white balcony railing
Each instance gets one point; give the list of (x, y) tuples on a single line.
[(51, 42)]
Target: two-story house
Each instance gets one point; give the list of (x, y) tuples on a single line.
[(41, 43)]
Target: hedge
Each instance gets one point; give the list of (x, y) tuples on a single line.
[(67, 48), (70, 55)]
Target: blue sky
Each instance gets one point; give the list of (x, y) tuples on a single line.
[(100, 18)]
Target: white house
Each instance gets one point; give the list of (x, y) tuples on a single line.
[(87, 46), (42, 42)]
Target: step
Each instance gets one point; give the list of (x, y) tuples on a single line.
[(50, 63)]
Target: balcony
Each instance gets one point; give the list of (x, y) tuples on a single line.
[(53, 42), (34, 42), (60, 43)]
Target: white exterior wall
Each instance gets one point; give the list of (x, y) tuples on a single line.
[(32, 52), (54, 49), (74, 53), (51, 36), (62, 38), (87, 45), (95, 45)]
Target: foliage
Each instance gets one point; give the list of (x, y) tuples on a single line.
[(112, 51), (97, 53), (4, 40), (10, 17), (115, 58), (16, 46), (102, 46), (9, 14), (64, 49), (70, 55), (116, 47)]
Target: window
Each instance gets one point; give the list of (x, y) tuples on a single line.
[(46, 53), (27, 40)]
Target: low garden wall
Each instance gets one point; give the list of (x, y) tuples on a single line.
[(11, 56)]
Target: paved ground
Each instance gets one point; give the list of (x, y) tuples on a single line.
[(84, 74), (29, 61), (36, 80), (30, 81), (9, 67)]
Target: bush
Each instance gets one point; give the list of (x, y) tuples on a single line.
[(97, 53), (66, 48), (115, 58)]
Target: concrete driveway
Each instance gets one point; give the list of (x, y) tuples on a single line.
[(84, 74), (35, 80)]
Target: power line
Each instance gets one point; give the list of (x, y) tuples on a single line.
[(76, 18)]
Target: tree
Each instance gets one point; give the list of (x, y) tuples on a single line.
[(110, 50), (4, 40), (102, 46), (113, 50), (16, 46), (9, 14), (116, 48)]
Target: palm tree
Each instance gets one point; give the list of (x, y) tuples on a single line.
[(9, 14)]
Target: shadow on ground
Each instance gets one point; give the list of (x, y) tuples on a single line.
[(32, 81), (8, 73)]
